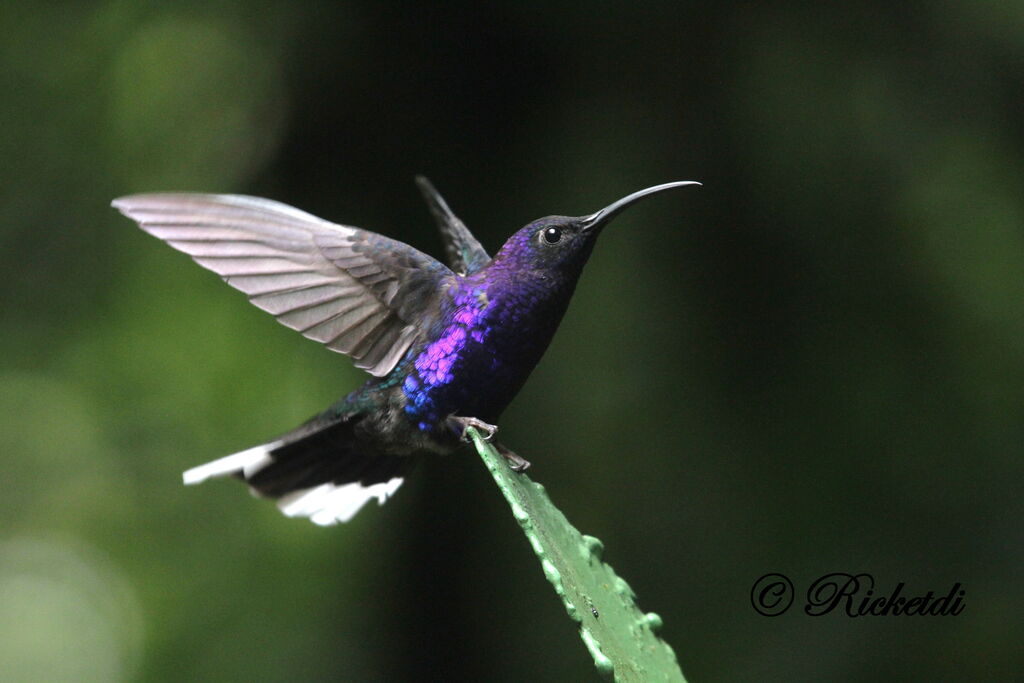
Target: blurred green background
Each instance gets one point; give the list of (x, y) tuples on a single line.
[(812, 364)]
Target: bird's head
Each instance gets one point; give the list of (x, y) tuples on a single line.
[(562, 244)]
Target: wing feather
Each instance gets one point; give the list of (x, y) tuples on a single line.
[(465, 255), (357, 292)]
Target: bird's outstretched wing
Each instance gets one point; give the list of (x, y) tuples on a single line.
[(465, 255), (355, 291)]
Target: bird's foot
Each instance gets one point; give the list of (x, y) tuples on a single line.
[(459, 425), (517, 462)]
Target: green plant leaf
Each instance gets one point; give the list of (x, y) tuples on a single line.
[(622, 640)]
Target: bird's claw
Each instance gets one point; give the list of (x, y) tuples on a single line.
[(460, 425), (517, 462)]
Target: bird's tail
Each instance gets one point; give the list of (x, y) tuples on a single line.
[(312, 471)]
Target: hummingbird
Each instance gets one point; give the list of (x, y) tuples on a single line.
[(447, 347)]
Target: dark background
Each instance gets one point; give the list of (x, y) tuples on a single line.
[(812, 364)]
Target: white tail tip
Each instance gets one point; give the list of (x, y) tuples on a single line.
[(247, 462), (329, 503)]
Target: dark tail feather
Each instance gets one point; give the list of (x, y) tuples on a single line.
[(313, 471)]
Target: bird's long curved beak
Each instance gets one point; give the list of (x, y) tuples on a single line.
[(598, 220)]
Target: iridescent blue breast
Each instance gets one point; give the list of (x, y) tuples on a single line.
[(484, 347), (431, 388)]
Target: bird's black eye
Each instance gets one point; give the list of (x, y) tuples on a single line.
[(552, 235)]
